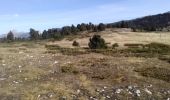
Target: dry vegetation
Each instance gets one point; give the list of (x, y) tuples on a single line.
[(58, 71)]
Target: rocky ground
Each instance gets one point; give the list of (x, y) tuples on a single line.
[(29, 72)]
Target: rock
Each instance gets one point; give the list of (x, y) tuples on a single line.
[(50, 95), (105, 87), (102, 90), (64, 97), (2, 79), (15, 82), (78, 91), (130, 87), (39, 96), (130, 92), (93, 98), (168, 99), (138, 93), (21, 52), (97, 90), (118, 91), (68, 62), (19, 66), (108, 97), (3, 64), (56, 62), (146, 90), (168, 91)]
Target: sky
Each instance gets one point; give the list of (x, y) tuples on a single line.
[(21, 15)]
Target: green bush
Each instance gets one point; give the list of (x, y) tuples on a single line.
[(154, 72), (75, 43), (158, 48), (96, 42), (115, 45), (69, 69)]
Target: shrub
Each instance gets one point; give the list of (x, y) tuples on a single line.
[(154, 72), (165, 58), (10, 36), (69, 69), (158, 47), (75, 43), (131, 45), (115, 45), (96, 42)]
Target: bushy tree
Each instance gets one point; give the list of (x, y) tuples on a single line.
[(75, 43), (82, 27), (74, 30), (58, 36), (66, 30), (96, 42), (10, 36), (101, 27), (115, 45), (95, 29), (34, 35), (45, 35)]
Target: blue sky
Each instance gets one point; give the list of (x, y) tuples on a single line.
[(21, 15)]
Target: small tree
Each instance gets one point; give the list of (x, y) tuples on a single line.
[(10, 36), (75, 43), (96, 42), (45, 35), (74, 30), (101, 27), (115, 45), (34, 35)]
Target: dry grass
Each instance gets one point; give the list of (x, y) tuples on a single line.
[(154, 72), (27, 72), (119, 37)]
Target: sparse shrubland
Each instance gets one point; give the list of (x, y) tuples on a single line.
[(83, 72)]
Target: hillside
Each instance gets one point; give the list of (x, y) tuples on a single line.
[(149, 23), (116, 35)]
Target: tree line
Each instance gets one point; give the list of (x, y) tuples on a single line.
[(160, 22), (59, 33)]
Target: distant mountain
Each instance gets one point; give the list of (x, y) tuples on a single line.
[(21, 35), (149, 23), (17, 34)]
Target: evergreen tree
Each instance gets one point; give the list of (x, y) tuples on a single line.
[(10, 36), (34, 35), (74, 30), (45, 35), (83, 27), (96, 42), (101, 27), (66, 30)]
